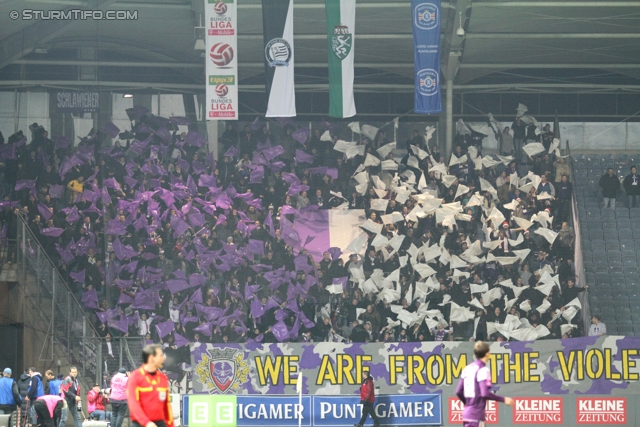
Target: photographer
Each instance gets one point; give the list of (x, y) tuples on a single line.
[(96, 399), (119, 396)]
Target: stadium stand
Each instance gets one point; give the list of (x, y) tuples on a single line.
[(609, 242), (206, 251)]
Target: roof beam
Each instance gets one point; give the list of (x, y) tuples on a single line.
[(131, 64), (407, 36), (551, 66), (580, 4), (360, 5), (494, 36), (22, 42)]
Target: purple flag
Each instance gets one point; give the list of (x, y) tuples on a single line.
[(56, 191), (232, 152), (280, 331), (25, 184), (257, 175), (90, 299), (273, 152), (110, 129), (123, 251), (256, 246), (165, 328), (335, 253), (44, 211), (52, 232), (179, 340), (8, 152), (205, 328), (124, 299), (257, 309), (78, 277), (62, 142), (302, 157), (178, 120), (301, 135)]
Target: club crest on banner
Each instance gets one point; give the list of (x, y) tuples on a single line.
[(278, 53), (341, 41), (428, 82), (426, 15), (223, 371)]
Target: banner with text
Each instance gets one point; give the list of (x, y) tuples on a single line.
[(308, 411), (425, 18), (221, 34), (582, 366), (77, 102)]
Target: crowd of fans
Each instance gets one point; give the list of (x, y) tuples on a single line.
[(159, 240)]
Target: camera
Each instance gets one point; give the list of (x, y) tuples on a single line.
[(105, 391)]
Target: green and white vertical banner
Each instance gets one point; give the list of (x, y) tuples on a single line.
[(222, 59), (341, 21)]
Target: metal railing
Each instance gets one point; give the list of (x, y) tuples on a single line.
[(69, 326), (106, 355)]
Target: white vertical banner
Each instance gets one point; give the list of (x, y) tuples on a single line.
[(277, 27), (221, 38)]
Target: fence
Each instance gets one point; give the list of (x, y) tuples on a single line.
[(44, 288)]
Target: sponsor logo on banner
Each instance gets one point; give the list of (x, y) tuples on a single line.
[(601, 410), (221, 54), (341, 41), (456, 407), (223, 371), (278, 53), (428, 82), (538, 410), (217, 80), (426, 15), (395, 410), (207, 410), (220, 24)]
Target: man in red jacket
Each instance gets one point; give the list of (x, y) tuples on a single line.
[(367, 398), (148, 391)]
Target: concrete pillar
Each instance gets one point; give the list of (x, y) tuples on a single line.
[(212, 137), (449, 119)]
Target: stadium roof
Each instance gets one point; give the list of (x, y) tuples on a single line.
[(534, 46)]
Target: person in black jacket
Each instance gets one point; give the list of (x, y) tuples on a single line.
[(632, 187), (610, 185)]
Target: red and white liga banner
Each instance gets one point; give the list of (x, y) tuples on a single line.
[(601, 410), (221, 35), (538, 410), (456, 407)]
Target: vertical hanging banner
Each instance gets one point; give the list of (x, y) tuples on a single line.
[(222, 60), (277, 25), (341, 21), (425, 17)]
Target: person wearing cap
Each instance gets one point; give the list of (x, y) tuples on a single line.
[(96, 401), (9, 395), (119, 396), (367, 398)]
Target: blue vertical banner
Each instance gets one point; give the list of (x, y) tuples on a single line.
[(425, 18)]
